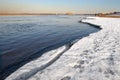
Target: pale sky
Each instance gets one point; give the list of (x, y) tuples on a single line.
[(59, 6)]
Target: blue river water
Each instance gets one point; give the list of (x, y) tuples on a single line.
[(25, 37)]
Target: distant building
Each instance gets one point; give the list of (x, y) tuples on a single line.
[(69, 13), (100, 14)]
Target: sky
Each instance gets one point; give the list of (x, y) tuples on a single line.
[(59, 6)]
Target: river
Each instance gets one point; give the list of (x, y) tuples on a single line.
[(24, 38)]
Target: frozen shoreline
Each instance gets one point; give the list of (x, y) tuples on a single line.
[(95, 57)]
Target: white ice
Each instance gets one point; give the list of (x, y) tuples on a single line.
[(96, 57)]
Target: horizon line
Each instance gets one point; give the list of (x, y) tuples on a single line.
[(47, 13), (44, 13)]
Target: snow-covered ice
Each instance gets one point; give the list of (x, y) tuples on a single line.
[(38, 64), (96, 57)]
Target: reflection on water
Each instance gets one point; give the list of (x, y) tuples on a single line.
[(23, 36)]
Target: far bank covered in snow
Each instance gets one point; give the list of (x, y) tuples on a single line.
[(96, 57)]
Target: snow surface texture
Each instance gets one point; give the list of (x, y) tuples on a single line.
[(96, 57)]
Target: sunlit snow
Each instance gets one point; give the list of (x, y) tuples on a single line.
[(96, 57)]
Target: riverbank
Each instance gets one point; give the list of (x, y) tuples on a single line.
[(95, 57)]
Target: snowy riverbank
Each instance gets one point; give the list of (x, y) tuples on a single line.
[(96, 57)]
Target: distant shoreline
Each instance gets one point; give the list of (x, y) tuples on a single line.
[(27, 14), (23, 14)]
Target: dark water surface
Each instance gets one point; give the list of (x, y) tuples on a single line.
[(23, 38)]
